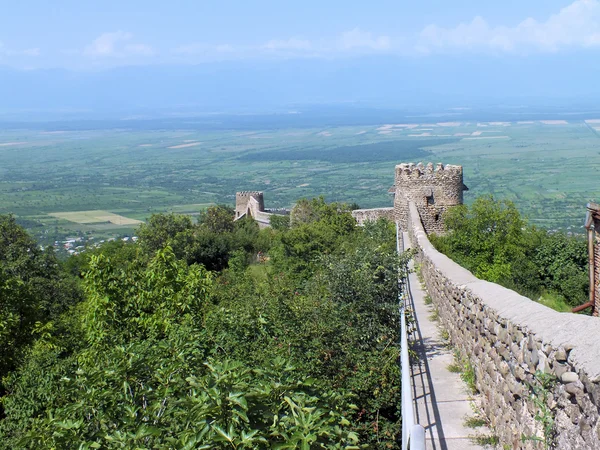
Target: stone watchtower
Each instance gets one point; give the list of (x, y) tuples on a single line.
[(243, 198), (432, 190)]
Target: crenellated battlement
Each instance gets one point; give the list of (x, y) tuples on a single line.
[(433, 189), (242, 198), (411, 171), (248, 194)]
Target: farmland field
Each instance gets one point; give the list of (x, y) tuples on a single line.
[(64, 182), (95, 217)]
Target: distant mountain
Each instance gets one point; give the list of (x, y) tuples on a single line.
[(242, 86)]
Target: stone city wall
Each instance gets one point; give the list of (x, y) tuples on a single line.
[(243, 201), (507, 338), (433, 190), (367, 215)]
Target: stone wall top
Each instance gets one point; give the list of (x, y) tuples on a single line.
[(578, 332), (412, 170)]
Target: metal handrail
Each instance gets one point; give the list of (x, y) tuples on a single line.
[(413, 435)]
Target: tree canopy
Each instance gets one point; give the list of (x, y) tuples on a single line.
[(493, 240), (185, 341)]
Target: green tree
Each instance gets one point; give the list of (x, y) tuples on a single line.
[(218, 218), (33, 291), (160, 229), (493, 241), (486, 238)]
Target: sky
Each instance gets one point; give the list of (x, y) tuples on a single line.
[(81, 37), (95, 35)]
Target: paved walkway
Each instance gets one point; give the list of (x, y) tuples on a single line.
[(441, 397)]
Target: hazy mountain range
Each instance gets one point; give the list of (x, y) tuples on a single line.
[(260, 86)]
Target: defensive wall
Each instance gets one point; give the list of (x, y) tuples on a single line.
[(432, 189), (367, 215), (509, 340), (252, 203)]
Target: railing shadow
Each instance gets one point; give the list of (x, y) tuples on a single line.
[(425, 348)]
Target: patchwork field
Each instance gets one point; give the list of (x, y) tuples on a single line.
[(95, 217), (104, 182)]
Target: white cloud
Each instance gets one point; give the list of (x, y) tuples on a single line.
[(139, 49), (288, 44), (358, 39), (203, 49), (4, 51), (577, 25), (116, 44), (355, 41), (31, 52)]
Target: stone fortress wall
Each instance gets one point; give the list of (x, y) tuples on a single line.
[(366, 215), (247, 201), (507, 338), (432, 190), (252, 203)]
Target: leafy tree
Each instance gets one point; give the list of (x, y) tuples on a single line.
[(33, 291), (164, 353), (562, 263), (280, 222), (160, 229), (218, 219), (317, 228), (492, 240)]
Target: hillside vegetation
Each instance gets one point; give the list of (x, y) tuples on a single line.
[(492, 240), (184, 341)]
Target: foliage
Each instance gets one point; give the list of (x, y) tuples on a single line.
[(160, 229), (541, 394), (218, 219), (280, 222), (210, 242), (492, 240), (316, 228), (33, 292), (164, 353)]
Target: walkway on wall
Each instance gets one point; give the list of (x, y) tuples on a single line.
[(441, 397)]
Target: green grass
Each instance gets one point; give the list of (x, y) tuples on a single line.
[(486, 440), (259, 272), (435, 315), (455, 368), (467, 373), (475, 422), (555, 302), (547, 170)]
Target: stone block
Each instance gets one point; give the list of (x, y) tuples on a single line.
[(569, 377)]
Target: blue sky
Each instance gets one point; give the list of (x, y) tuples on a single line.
[(86, 35), (263, 54)]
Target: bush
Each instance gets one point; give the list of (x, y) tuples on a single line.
[(493, 241)]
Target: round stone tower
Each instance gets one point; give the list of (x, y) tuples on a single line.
[(242, 199), (433, 190)]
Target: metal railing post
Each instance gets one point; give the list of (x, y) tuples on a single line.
[(413, 435)]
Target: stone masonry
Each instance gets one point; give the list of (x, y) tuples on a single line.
[(433, 190), (243, 202), (508, 339), (371, 215)]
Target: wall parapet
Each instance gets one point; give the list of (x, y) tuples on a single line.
[(369, 215), (508, 338)]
